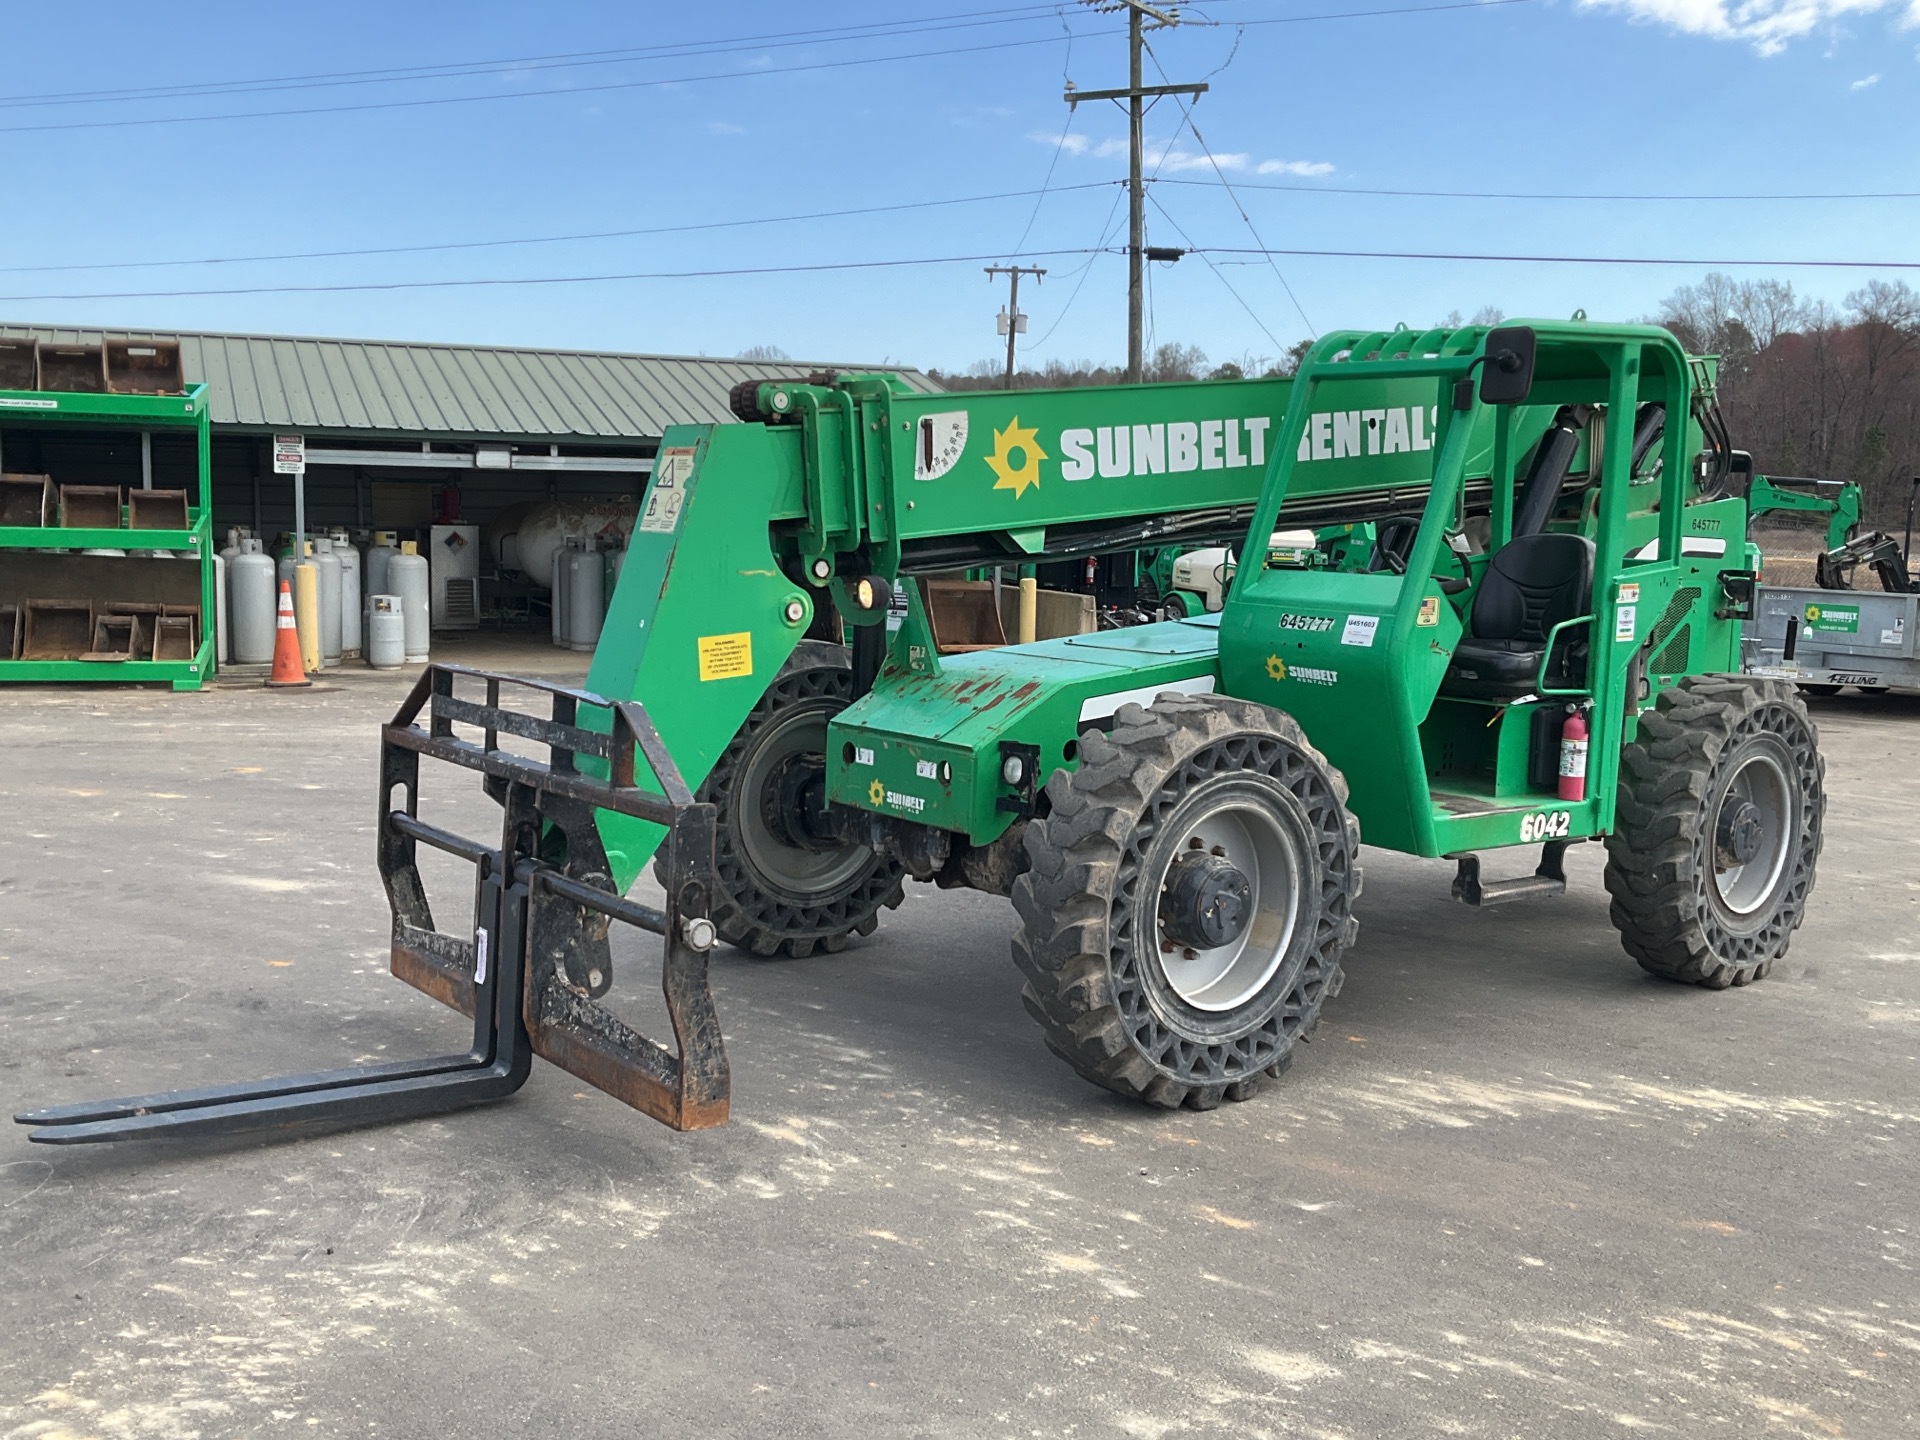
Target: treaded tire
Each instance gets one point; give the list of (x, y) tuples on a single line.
[(751, 908), (1113, 1014), (1662, 870)]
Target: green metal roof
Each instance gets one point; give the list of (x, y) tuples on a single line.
[(402, 389)]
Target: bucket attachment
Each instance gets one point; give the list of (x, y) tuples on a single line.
[(538, 957)]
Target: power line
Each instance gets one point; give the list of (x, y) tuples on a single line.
[(1549, 195), (1186, 114), (679, 50), (1573, 259), (1060, 145), (1207, 260), (546, 239), (570, 90), (539, 279), (363, 107), (1106, 236)]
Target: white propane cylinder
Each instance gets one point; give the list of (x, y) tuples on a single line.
[(586, 597), (386, 632), (328, 564), (379, 555), (349, 593), (283, 568), (557, 597), (407, 577), (253, 595), (222, 625)]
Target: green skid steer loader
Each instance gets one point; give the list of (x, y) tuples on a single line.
[(1540, 648)]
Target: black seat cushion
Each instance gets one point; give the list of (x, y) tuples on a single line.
[(1531, 584)]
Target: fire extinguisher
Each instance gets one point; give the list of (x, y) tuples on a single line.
[(1573, 755)]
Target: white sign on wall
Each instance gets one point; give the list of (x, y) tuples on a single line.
[(289, 454)]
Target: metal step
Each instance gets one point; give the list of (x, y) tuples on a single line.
[(1548, 878)]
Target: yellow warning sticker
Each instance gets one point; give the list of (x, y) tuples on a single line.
[(726, 657), (1430, 610)]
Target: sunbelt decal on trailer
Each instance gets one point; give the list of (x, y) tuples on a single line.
[(1833, 619)]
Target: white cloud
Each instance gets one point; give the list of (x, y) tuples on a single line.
[(725, 127), (1866, 84), (1072, 144), (1167, 158), (1767, 25), (1295, 167)]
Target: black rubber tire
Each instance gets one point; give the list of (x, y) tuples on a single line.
[(1823, 692), (750, 909), (1660, 858), (1116, 1021), (1176, 605)]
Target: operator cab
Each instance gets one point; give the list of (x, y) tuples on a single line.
[(1533, 587)]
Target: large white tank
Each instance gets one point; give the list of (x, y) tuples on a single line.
[(253, 595), (586, 596), (379, 555), (522, 539), (407, 577), (386, 632), (328, 565)]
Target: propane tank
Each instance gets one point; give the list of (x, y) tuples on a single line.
[(557, 597), (349, 593), (586, 596), (253, 598), (407, 577), (522, 539), (386, 632), (222, 626), (1573, 756), (327, 564), (379, 555)]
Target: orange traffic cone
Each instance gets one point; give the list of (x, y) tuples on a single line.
[(287, 669)]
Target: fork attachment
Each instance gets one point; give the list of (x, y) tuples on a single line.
[(532, 969)]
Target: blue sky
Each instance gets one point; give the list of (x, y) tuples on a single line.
[(1622, 97)]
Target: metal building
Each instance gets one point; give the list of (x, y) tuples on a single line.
[(390, 425)]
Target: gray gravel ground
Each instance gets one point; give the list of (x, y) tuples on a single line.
[(1514, 1188)]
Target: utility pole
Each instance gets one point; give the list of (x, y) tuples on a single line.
[(1012, 323), (1140, 18)]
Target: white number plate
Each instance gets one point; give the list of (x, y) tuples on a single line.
[(1549, 825)]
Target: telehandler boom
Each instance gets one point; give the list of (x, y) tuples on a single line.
[(1539, 650)]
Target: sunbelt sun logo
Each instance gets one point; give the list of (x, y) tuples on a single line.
[(1118, 452)]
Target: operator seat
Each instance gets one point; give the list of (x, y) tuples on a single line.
[(1532, 583)]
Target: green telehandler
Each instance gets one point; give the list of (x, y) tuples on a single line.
[(1538, 646)]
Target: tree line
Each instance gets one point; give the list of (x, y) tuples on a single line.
[(1813, 389)]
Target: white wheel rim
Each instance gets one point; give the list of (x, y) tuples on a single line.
[(1229, 975), (1761, 781)]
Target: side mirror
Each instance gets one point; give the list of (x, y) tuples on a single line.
[(1507, 376)]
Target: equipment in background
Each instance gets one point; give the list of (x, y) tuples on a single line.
[(407, 578), (379, 555), (332, 622), (1831, 636), (1175, 809), (454, 555), (386, 633), (351, 603), (585, 592), (251, 598)]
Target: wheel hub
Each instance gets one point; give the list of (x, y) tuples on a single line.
[(793, 803), (1207, 902), (1741, 830)]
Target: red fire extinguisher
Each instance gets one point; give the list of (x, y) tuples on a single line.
[(1573, 756)]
